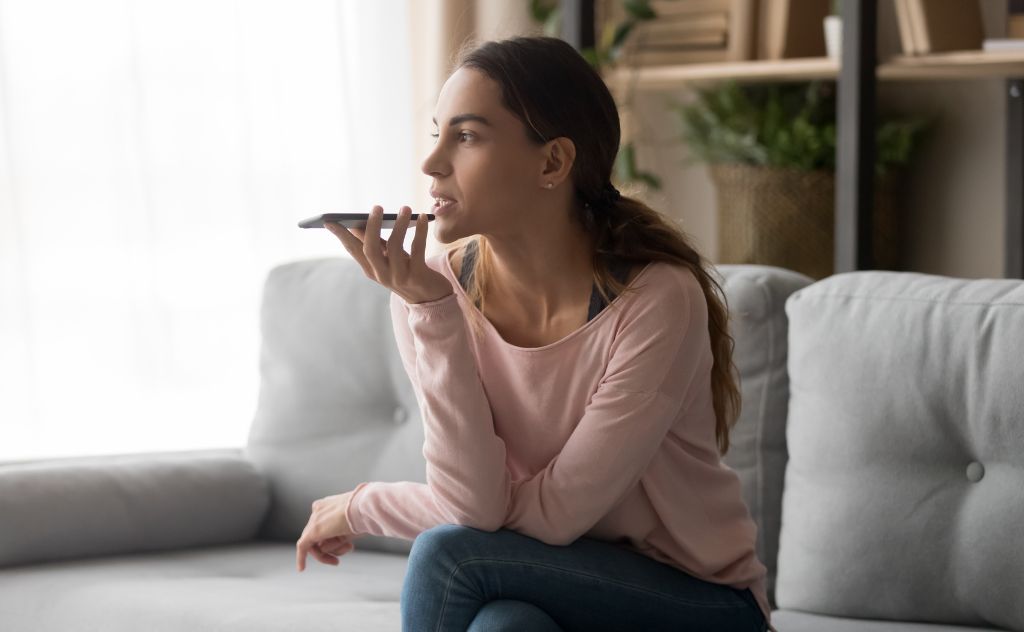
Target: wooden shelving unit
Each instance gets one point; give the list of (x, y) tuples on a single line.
[(673, 77), (857, 75), (946, 66), (954, 66)]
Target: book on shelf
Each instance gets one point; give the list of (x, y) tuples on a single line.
[(708, 31), (908, 38), (935, 26), (649, 57), (687, 31), (701, 40), (688, 8), (791, 28), (998, 44), (700, 23)]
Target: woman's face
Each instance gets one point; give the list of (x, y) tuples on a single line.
[(483, 160)]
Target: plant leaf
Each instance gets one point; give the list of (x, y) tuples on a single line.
[(639, 9)]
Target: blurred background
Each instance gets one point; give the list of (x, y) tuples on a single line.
[(156, 156)]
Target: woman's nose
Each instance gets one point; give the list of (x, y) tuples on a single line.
[(433, 163), (430, 167)]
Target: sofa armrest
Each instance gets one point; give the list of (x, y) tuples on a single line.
[(82, 507)]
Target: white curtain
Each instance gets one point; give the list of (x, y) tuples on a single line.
[(155, 157)]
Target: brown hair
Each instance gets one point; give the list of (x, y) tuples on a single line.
[(552, 89)]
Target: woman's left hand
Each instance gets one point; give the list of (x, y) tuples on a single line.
[(328, 533), (386, 262)]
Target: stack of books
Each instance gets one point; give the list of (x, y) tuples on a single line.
[(935, 26), (690, 31)]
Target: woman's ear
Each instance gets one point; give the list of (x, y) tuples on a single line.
[(559, 156)]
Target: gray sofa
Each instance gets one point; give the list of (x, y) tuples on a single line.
[(881, 449)]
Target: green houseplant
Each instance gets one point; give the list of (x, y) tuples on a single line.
[(771, 149)]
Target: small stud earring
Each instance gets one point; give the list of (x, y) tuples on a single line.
[(550, 184)]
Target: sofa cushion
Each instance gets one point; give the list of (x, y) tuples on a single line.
[(757, 295), (90, 506), (248, 587), (793, 621), (903, 495), (335, 405)]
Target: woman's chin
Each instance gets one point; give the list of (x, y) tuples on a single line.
[(444, 231)]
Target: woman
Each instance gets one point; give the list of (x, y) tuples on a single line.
[(573, 430)]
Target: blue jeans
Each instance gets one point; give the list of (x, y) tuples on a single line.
[(461, 578)]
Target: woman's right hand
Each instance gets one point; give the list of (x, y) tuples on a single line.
[(386, 262), (331, 549)]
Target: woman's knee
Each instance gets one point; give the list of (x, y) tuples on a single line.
[(437, 540), (511, 615), (445, 542)]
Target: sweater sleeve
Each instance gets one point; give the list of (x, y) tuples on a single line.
[(467, 480), (659, 349)]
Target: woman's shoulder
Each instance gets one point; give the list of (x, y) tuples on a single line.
[(664, 293), (663, 279)]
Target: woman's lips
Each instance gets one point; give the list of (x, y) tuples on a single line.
[(443, 209)]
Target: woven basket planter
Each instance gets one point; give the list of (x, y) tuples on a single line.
[(786, 218)]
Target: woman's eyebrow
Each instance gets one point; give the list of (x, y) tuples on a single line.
[(466, 117)]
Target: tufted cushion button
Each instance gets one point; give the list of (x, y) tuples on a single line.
[(400, 415), (975, 471)]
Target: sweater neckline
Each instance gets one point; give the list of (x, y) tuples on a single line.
[(563, 340)]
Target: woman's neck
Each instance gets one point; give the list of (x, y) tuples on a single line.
[(540, 279)]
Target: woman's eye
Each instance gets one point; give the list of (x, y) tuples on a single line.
[(461, 136)]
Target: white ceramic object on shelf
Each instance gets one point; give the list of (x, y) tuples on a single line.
[(834, 36)]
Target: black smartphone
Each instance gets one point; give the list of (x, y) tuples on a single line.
[(357, 220)]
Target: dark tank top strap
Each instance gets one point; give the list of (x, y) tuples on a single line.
[(620, 270), (468, 261)]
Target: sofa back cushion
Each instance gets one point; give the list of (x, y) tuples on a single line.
[(335, 405), (903, 493), (757, 295), (78, 507)]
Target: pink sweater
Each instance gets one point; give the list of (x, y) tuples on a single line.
[(608, 432)]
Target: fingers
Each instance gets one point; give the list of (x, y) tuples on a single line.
[(396, 250), (337, 546), (323, 557), (301, 549), (380, 262), (326, 552), (353, 245), (308, 547), (330, 545), (372, 244), (307, 541), (417, 252), (361, 234)]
